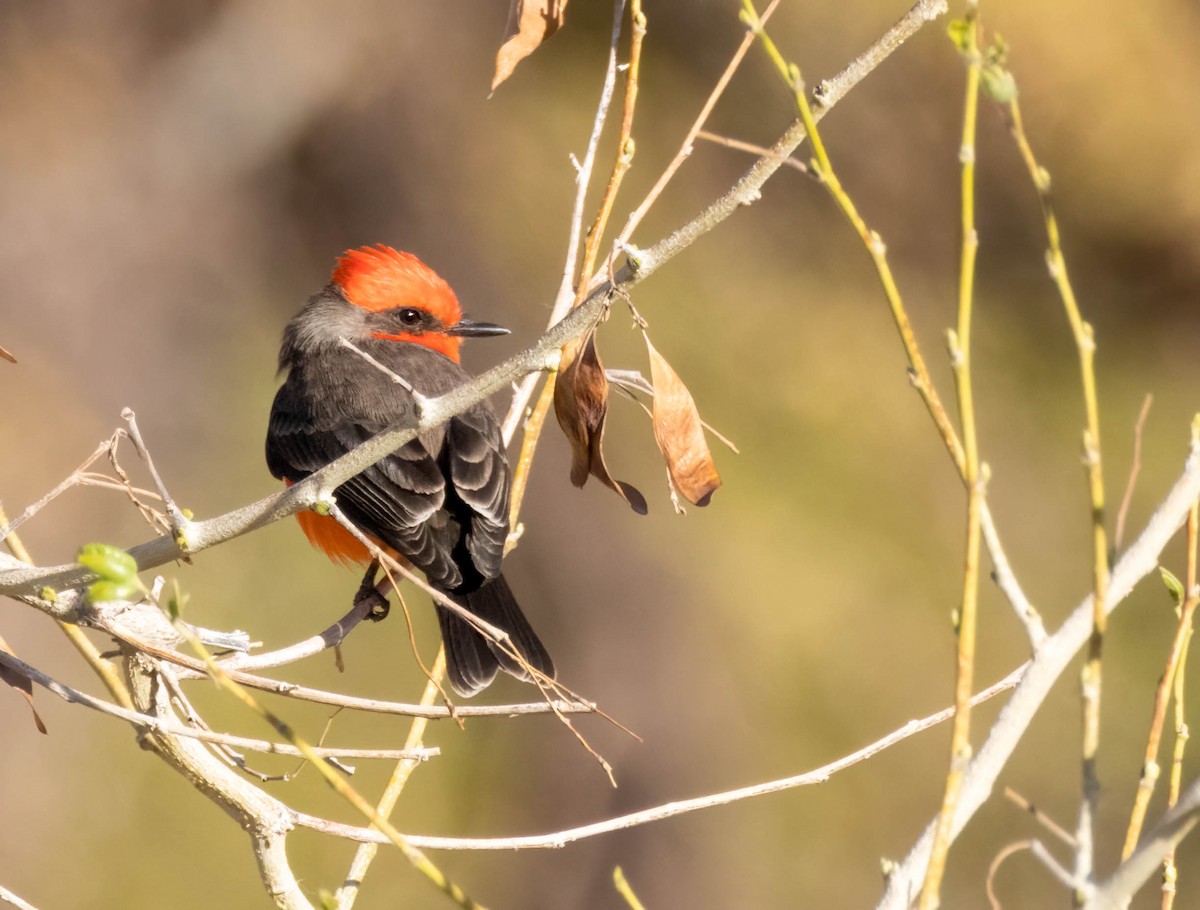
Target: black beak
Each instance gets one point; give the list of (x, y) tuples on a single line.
[(467, 328)]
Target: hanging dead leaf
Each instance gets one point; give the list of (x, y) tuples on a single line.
[(530, 22), (21, 684), (581, 406), (680, 433), (7, 356)]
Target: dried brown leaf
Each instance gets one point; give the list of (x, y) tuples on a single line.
[(7, 356), (20, 684), (680, 433), (581, 406), (530, 22)]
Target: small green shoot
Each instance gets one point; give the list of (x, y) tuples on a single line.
[(117, 571)]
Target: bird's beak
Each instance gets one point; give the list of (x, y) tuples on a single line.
[(468, 328)]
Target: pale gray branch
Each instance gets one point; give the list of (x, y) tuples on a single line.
[(1047, 665), (338, 700), (265, 819), (667, 810), (309, 647), (149, 722), (1006, 581), (830, 91), (1131, 875), (9, 898)]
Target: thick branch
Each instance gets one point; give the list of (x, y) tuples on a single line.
[(263, 817)]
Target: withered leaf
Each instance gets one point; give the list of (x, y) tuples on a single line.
[(530, 22), (680, 434), (20, 684), (7, 356), (581, 406)]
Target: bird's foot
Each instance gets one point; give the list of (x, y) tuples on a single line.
[(377, 605)]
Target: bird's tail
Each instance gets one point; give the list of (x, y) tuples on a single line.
[(471, 659)]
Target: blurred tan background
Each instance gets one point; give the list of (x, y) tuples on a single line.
[(175, 179)]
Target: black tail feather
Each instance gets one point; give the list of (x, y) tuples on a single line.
[(471, 659)]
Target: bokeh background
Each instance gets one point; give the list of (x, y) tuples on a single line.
[(176, 178)]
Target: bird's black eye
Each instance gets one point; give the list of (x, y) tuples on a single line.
[(409, 316)]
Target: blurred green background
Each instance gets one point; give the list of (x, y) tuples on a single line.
[(176, 179)]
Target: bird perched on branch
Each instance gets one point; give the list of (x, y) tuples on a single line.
[(439, 501)]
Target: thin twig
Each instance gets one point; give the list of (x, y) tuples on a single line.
[(135, 436), (1134, 469), (332, 777), (919, 373), (149, 722), (524, 465), (1162, 697), (1006, 581), (378, 706), (583, 179), (686, 148), (1128, 878), (960, 358), (90, 653), (595, 235), (1039, 851), (1056, 653), (669, 810), (331, 637), (626, 890), (1085, 342), (750, 147), (72, 479), (994, 868), (1041, 817), (363, 857), (1175, 783), (625, 149)]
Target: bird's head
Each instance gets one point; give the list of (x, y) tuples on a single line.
[(406, 300)]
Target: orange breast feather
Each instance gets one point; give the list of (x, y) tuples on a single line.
[(324, 533)]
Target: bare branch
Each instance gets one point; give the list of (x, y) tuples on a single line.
[(309, 647), (1006, 581), (1135, 468), (378, 706), (1047, 665), (73, 479), (149, 722), (667, 810), (264, 818), (7, 896), (1173, 827), (830, 91)]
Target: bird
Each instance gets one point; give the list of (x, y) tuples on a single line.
[(439, 501)]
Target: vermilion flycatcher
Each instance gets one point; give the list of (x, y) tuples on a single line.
[(441, 500)]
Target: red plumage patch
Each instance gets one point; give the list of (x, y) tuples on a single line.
[(381, 278)]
